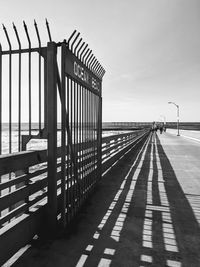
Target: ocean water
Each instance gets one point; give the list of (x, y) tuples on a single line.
[(10, 144)]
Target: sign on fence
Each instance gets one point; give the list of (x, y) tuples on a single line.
[(79, 72)]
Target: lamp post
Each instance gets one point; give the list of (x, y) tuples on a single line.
[(177, 116)]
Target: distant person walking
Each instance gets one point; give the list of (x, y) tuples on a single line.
[(154, 127)]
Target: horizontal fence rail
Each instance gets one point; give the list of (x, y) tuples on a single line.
[(23, 200)]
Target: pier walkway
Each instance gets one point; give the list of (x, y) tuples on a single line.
[(144, 212)]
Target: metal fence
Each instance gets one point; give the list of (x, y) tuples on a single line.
[(50, 133), (52, 153), (23, 86)]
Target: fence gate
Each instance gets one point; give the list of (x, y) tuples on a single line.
[(50, 134), (79, 107)]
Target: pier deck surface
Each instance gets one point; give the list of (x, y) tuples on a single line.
[(144, 212)]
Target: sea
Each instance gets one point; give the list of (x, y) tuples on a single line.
[(10, 144)]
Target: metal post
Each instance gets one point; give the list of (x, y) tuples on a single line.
[(178, 134), (177, 106), (0, 104), (0, 109), (63, 137), (52, 135), (99, 138), (45, 93)]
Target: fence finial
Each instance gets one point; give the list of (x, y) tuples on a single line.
[(7, 37), (48, 30), (83, 51), (83, 59), (17, 35), (89, 59), (77, 46), (86, 59), (80, 49), (27, 34), (72, 45), (71, 37), (37, 32)]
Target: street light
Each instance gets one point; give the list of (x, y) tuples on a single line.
[(177, 116)]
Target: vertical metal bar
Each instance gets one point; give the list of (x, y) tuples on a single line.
[(83, 140), (76, 103), (90, 133), (29, 86), (71, 130), (93, 144), (99, 136), (74, 137), (52, 135), (68, 159), (9, 94), (93, 134), (96, 107), (0, 103), (45, 93), (39, 75), (90, 136), (29, 78), (76, 154), (19, 104), (1, 128), (80, 140), (87, 138), (19, 89), (63, 136), (40, 93), (10, 102), (86, 150)]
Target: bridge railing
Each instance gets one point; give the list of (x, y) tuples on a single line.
[(23, 201)]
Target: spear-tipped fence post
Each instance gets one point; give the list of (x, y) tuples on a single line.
[(89, 59), (80, 49), (83, 51), (39, 74), (52, 136), (72, 45), (69, 40), (84, 55), (86, 59), (29, 74), (92, 61), (77, 46), (10, 89), (19, 86), (48, 30)]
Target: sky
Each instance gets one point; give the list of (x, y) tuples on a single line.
[(150, 50)]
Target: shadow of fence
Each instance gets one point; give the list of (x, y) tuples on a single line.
[(139, 216)]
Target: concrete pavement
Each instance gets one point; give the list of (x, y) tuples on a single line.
[(144, 212)]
